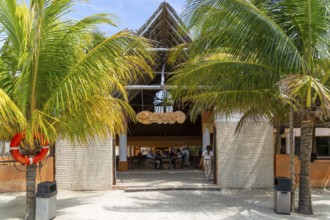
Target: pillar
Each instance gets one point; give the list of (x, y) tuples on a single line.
[(123, 165), (207, 128), (206, 138)]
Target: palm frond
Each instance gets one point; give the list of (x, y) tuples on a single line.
[(307, 23), (11, 118), (96, 117), (111, 63), (178, 54), (13, 23), (61, 74), (305, 90), (6, 80), (226, 85), (243, 31), (254, 116)]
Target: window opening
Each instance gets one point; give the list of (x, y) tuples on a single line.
[(323, 146), (163, 102)]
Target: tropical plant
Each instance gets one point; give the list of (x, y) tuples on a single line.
[(246, 60), (60, 78)]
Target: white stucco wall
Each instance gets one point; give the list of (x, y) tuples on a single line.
[(245, 159), (84, 167)]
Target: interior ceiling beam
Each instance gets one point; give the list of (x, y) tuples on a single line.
[(162, 80), (164, 141), (148, 87), (176, 32), (160, 87), (176, 42), (157, 72), (163, 49), (164, 27), (179, 23)]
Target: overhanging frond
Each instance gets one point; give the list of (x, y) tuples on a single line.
[(113, 62), (243, 31), (305, 91), (96, 117), (11, 118)]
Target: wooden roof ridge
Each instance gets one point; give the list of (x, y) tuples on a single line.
[(153, 16), (151, 22)]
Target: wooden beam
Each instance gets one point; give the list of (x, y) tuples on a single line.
[(164, 141), (151, 22)]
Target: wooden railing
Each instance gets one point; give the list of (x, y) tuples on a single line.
[(319, 170), (12, 174)]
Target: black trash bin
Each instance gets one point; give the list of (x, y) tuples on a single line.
[(282, 195), (46, 200)]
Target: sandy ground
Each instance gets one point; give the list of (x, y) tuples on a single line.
[(117, 204), (174, 204)]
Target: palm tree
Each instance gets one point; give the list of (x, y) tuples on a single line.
[(59, 78), (245, 60)]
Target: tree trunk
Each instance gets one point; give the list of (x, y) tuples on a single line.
[(305, 200), (278, 138), (30, 192), (3, 148), (292, 164)]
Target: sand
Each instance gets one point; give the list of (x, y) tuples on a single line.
[(202, 204)]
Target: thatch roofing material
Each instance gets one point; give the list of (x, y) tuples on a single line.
[(165, 27), (167, 30)]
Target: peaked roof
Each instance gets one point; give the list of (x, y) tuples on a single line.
[(167, 30), (165, 27)]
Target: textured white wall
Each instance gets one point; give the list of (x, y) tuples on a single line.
[(245, 159), (84, 167)]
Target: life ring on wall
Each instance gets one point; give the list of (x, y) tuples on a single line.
[(16, 154)]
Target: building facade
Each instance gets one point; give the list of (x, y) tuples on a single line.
[(243, 159)]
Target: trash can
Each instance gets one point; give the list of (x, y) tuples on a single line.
[(46, 201), (282, 195)]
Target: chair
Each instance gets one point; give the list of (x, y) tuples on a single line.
[(130, 163), (178, 163), (166, 164), (151, 163), (133, 162)]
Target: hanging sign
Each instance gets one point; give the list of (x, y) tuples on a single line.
[(146, 117)]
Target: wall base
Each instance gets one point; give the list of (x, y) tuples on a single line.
[(122, 166)]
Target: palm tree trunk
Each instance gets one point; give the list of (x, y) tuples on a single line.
[(278, 139), (305, 200), (292, 164), (30, 192), (3, 148)]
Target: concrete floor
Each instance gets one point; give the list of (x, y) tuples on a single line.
[(163, 179)]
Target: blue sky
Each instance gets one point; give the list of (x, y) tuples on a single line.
[(131, 14)]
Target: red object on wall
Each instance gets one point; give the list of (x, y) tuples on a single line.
[(14, 149)]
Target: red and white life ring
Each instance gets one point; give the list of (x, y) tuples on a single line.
[(14, 149)]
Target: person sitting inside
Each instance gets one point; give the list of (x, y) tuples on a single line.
[(173, 158), (185, 156), (150, 155)]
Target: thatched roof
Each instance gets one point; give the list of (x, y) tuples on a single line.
[(167, 30), (165, 27)]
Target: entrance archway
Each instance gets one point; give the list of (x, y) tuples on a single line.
[(163, 132)]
